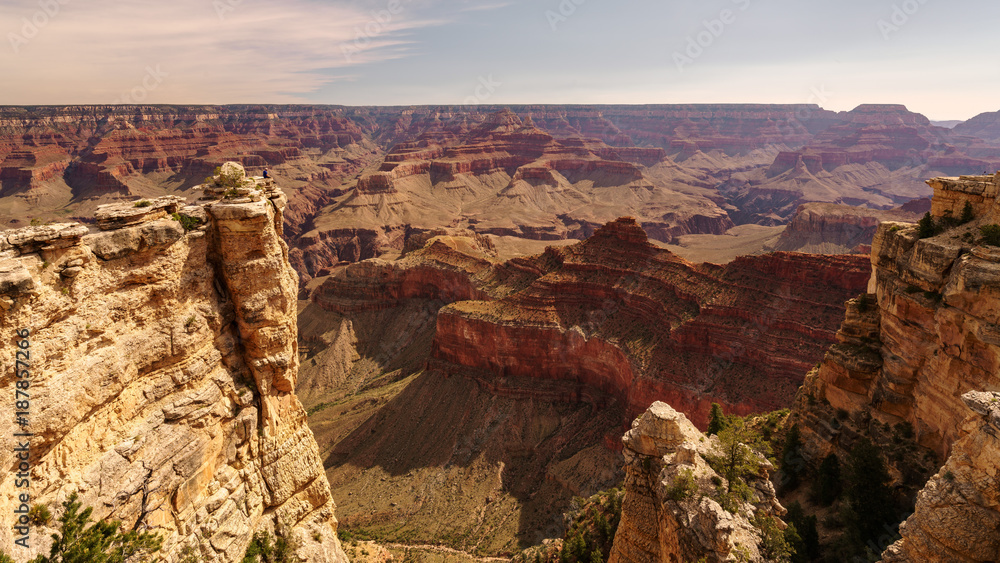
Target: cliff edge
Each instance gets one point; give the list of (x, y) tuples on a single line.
[(163, 359)]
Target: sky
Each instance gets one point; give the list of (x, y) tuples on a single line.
[(938, 58)]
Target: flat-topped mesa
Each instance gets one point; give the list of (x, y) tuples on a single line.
[(952, 193), (164, 356)]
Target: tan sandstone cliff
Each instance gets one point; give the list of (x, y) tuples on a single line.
[(162, 369), (958, 512), (657, 526), (934, 332)]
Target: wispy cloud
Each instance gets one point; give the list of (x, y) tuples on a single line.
[(211, 51)]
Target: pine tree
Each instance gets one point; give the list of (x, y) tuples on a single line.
[(868, 494), (967, 213), (807, 544), (828, 485), (716, 420), (791, 459), (100, 543), (925, 226)]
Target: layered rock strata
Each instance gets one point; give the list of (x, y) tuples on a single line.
[(617, 315), (958, 512), (163, 360), (930, 332), (660, 525)]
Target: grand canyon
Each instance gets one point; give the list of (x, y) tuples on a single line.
[(475, 333)]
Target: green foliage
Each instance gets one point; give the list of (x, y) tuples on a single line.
[(869, 498), (102, 542), (949, 475), (592, 531), (683, 487), (990, 234), (773, 542), (186, 221), (739, 456), (39, 515), (894, 228), (4, 558), (925, 226), (827, 487), (967, 214), (716, 420), (143, 203), (791, 459), (266, 548), (805, 540)]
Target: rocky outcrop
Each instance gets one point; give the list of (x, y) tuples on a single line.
[(958, 511), (828, 228), (620, 317), (931, 337), (163, 360), (661, 523)]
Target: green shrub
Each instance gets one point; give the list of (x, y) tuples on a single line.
[(926, 227), (102, 542), (143, 203), (716, 420), (39, 515), (865, 302), (967, 214), (990, 234), (186, 221), (683, 487)]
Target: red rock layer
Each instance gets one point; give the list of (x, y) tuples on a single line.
[(637, 323)]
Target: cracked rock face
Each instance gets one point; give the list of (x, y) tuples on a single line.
[(958, 512), (658, 527), (162, 365)]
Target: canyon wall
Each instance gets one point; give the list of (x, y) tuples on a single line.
[(958, 512), (163, 359), (932, 334), (617, 315)]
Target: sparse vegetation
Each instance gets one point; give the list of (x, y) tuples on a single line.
[(926, 227), (187, 222), (869, 511), (865, 302), (773, 541), (716, 420), (792, 464), (268, 548), (683, 486), (39, 515), (827, 486), (143, 203), (990, 234), (102, 542), (740, 451), (967, 215)]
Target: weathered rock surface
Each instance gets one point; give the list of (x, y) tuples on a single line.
[(932, 335), (958, 512), (617, 315), (162, 368), (828, 228), (658, 527)]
